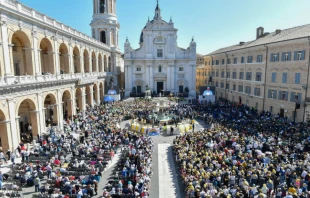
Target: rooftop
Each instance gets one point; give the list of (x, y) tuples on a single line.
[(283, 35)]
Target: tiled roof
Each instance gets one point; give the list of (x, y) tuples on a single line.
[(287, 34)]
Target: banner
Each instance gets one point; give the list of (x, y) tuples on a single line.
[(154, 132)]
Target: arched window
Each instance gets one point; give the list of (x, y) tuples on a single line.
[(159, 69), (103, 37), (102, 6)]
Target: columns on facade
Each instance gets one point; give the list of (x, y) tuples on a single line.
[(14, 124), (115, 39), (56, 55), (73, 101), (173, 78), (5, 135), (147, 74), (91, 96), (98, 93), (83, 101), (60, 109), (36, 54), (81, 62), (41, 108), (151, 78), (108, 35), (8, 69), (168, 79), (90, 62), (71, 61)]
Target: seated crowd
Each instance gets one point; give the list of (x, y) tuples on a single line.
[(244, 154), (73, 160)]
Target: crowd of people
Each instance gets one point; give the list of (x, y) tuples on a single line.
[(73, 160), (244, 154)]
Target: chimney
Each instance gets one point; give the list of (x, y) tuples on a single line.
[(278, 31), (259, 32), (241, 43)]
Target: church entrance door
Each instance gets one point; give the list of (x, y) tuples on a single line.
[(160, 87), (139, 89)]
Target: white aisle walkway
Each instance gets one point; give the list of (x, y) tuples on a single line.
[(167, 181)]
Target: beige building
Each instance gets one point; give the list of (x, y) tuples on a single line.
[(49, 71), (270, 73)]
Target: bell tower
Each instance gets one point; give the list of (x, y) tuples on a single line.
[(105, 26)]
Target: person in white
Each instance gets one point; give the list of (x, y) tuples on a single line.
[(208, 92)]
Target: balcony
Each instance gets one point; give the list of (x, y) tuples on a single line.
[(28, 79)]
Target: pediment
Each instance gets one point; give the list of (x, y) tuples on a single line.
[(160, 25)]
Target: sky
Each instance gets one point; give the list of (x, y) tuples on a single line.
[(214, 24)]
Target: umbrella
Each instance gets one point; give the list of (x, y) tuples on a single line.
[(108, 99)]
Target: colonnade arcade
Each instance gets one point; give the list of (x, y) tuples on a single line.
[(32, 118), (54, 57)]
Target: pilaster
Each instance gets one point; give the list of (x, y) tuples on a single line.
[(35, 57), (8, 73), (15, 133), (56, 56), (71, 61), (41, 113)]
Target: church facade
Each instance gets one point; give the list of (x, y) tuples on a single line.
[(159, 62)]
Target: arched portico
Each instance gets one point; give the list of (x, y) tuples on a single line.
[(64, 59), (4, 139), (46, 57), (27, 120), (21, 56)]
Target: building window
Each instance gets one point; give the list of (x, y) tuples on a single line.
[(284, 77), (213, 73), (297, 78), (248, 90), (271, 109), (138, 69), (234, 75), (235, 60), (103, 37), (223, 74), (234, 87), (273, 77), (258, 76), (217, 84), (181, 69), (159, 69), (249, 76), (299, 55), (217, 74), (272, 94), (240, 88), (223, 61), (228, 74), (286, 56), (228, 60), (259, 58), (250, 59), (242, 59), (213, 62), (257, 91), (283, 95), (159, 53), (274, 57), (241, 75), (222, 85), (227, 85), (295, 97), (217, 62)]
